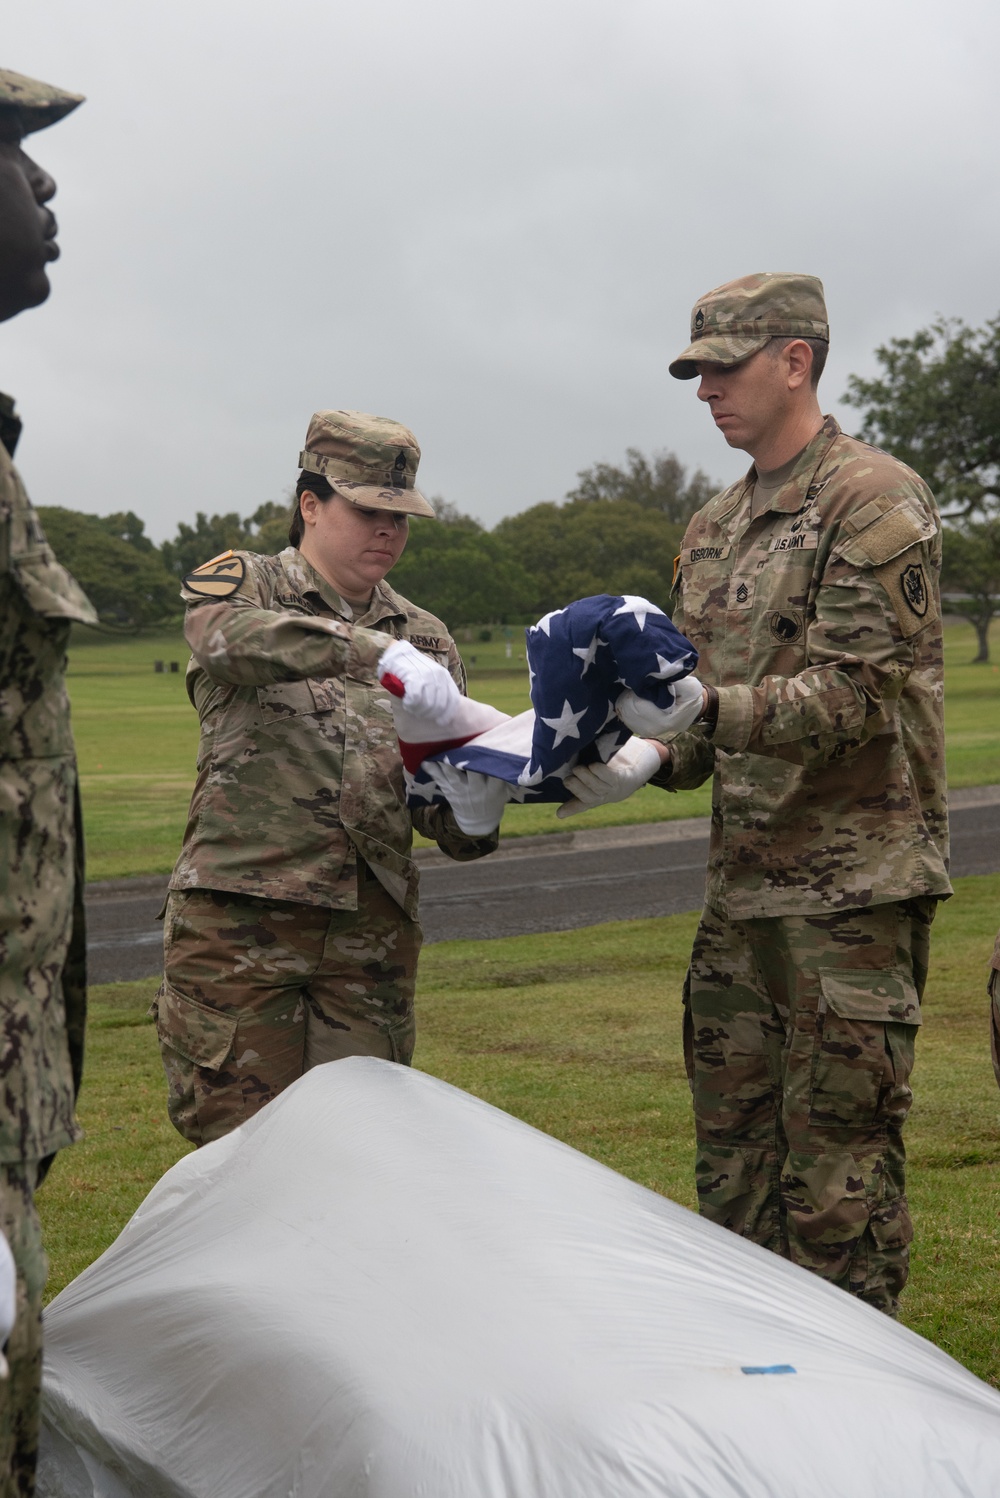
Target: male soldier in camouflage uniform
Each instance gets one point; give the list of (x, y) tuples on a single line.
[(42, 975), (291, 932), (810, 589)]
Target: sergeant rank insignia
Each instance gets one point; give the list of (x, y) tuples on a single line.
[(219, 578)]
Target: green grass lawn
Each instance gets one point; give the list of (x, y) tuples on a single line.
[(137, 736), (578, 1034)]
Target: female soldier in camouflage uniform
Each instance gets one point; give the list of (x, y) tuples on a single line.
[(291, 932)]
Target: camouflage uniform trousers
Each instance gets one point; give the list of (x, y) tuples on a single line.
[(798, 1038), (20, 1392), (257, 991)]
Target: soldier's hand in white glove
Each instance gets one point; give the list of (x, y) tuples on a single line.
[(477, 801), (428, 690), (645, 718), (8, 1298), (599, 784)]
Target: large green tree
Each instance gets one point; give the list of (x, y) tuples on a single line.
[(970, 576), (125, 579), (592, 546), (657, 483), (936, 405), (266, 530), (462, 573)]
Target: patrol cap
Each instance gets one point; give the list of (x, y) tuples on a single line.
[(736, 320), (370, 460), (30, 105)]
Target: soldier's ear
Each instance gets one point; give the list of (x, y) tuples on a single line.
[(309, 507), (798, 357)]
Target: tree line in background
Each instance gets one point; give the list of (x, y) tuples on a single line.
[(617, 532), (935, 404)]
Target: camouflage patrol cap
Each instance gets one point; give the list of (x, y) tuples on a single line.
[(370, 460), (29, 105), (734, 321)]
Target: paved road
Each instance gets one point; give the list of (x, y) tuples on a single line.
[(552, 883)]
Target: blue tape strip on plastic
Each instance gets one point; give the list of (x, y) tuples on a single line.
[(774, 1368)]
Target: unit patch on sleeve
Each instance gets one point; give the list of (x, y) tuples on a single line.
[(914, 587), (219, 578), (911, 591)]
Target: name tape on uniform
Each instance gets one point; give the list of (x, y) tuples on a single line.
[(797, 541), (704, 554)]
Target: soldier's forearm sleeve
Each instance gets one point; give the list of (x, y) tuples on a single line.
[(691, 762), (242, 645), (858, 662), (438, 823)]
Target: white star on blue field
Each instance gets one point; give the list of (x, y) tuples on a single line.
[(579, 658)]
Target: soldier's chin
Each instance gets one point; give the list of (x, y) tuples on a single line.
[(20, 294)]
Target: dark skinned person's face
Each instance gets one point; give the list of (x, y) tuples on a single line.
[(27, 228)]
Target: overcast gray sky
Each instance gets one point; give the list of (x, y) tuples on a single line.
[(487, 220)]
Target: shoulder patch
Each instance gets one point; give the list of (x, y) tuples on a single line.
[(911, 591), (219, 578)]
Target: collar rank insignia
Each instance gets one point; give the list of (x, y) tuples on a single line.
[(219, 578)]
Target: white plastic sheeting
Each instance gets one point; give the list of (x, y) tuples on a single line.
[(384, 1287)]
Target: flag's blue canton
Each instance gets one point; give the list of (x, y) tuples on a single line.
[(580, 659)]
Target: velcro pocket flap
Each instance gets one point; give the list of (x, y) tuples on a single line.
[(877, 995), (201, 1035), (902, 527)]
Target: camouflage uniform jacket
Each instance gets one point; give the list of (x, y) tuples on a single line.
[(819, 622), (42, 948), (299, 769)]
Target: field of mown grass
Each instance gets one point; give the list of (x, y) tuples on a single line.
[(578, 1033), (137, 737)]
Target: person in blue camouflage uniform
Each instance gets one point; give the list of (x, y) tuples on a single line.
[(42, 948), (291, 934)]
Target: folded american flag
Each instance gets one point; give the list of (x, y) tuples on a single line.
[(580, 659)]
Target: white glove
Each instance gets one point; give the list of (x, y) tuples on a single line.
[(476, 800), (599, 784), (645, 718), (428, 689), (8, 1297)]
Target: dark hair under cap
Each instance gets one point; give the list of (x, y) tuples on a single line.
[(311, 483)]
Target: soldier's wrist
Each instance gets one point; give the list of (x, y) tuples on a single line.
[(709, 718)]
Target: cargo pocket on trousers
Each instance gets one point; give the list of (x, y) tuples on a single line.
[(864, 1051), (203, 1036)]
